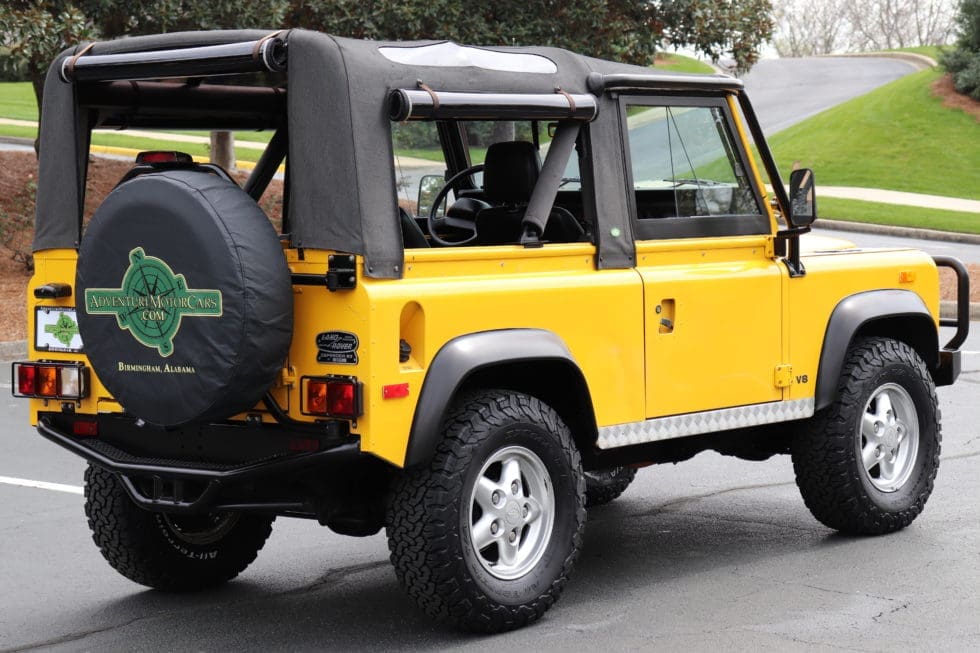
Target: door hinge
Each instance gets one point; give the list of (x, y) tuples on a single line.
[(783, 377), (287, 377), (341, 272)]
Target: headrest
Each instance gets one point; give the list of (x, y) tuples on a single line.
[(511, 172)]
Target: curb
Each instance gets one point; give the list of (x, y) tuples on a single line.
[(903, 232), (919, 61), (947, 309), (12, 350)]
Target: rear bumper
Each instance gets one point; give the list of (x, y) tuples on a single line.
[(195, 487)]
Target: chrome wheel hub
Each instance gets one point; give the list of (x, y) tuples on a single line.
[(511, 512), (889, 436)]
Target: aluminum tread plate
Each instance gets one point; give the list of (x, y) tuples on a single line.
[(710, 421)]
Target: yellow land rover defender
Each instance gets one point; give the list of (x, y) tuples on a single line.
[(503, 279)]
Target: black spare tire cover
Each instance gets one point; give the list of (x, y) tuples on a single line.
[(186, 306)]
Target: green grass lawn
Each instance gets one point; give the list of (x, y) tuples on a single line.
[(897, 137), (17, 101), (927, 50), (680, 63), (829, 209)]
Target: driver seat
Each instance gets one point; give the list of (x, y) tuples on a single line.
[(510, 173)]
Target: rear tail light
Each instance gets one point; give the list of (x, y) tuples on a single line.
[(26, 376), (50, 380), (333, 396)]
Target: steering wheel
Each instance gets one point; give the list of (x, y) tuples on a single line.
[(435, 222)]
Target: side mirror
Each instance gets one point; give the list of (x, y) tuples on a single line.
[(429, 186), (802, 198)]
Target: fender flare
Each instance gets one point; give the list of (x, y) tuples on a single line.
[(851, 315), (457, 360)]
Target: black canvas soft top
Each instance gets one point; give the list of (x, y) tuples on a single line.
[(336, 107)]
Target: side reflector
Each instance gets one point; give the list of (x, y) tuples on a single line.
[(333, 396), (85, 428), (394, 391), (303, 444)]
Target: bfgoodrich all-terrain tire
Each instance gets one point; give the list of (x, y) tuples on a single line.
[(604, 485), (484, 537), (166, 552), (866, 464)]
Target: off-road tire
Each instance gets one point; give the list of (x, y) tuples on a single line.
[(604, 485), (145, 548), (430, 517), (827, 453)]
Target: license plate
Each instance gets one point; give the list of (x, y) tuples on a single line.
[(56, 329)]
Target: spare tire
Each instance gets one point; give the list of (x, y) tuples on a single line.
[(187, 305)]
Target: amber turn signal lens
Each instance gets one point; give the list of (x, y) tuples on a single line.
[(333, 397), (316, 397), (47, 381)]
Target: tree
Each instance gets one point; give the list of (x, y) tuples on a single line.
[(37, 31), (808, 28), (720, 27), (963, 62), (622, 30), (114, 18)]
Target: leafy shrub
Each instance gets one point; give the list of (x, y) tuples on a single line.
[(963, 62), (967, 79), (12, 69)]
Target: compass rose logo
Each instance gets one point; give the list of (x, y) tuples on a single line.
[(152, 302)]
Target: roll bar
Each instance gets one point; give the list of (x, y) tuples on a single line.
[(267, 54), (425, 104)]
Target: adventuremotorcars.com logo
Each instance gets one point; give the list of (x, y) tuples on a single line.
[(152, 301)]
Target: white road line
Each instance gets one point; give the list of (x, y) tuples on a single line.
[(967, 352), (57, 487)]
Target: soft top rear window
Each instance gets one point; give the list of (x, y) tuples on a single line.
[(450, 55)]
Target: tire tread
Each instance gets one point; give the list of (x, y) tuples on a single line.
[(420, 516), (824, 457)]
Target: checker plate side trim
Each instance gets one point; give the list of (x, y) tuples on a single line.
[(711, 421)]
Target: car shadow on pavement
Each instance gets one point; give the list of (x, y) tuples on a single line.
[(630, 549)]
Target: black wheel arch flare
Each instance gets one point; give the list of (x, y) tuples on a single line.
[(533, 361), (898, 314)]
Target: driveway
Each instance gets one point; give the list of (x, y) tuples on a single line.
[(787, 91)]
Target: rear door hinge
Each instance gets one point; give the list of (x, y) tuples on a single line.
[(341, 272), (287, 378), (783, 377)]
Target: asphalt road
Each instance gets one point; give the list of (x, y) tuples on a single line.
[(786, 91), (966, 252), (711, 553)]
